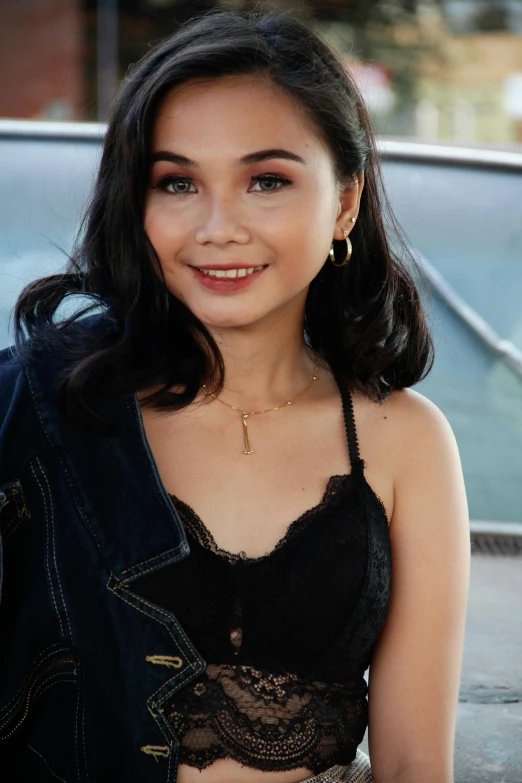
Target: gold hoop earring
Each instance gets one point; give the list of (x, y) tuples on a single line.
[(348, 253)]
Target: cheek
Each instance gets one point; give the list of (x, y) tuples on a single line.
[(162, 233), (156, 228), (308, 237), (150, 225), (166, 242), (318, 214)]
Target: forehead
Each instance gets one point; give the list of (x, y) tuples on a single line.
[(243, 113)]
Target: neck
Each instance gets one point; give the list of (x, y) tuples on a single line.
[(264, 366)]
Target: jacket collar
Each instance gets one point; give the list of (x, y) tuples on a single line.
[(112, 479)]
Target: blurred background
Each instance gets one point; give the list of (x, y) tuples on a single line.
[(443, 83), (430, 69)]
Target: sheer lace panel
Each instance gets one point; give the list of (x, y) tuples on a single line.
[(267, 721)]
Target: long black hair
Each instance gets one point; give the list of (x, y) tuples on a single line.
[(365, 319)]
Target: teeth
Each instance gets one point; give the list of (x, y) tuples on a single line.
[(231, 272)]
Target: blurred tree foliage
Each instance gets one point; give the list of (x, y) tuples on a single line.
[(491, 19), (396, 34)]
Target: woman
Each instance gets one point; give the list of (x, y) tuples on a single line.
[(206, 482)]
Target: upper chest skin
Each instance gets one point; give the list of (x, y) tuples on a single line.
[(248, 501)]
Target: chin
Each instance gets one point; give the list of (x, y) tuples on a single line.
[(229, 322), (227, 318)]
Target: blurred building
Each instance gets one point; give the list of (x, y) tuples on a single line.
[(473, 90), (42, 59), (435, 69)]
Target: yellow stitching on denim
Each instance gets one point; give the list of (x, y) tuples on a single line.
[(54, 547), (162, 751), (48, 684), (41, 689), (119, 593), (44, 655), (11, 527), (64, 466), (168, 736), (169, 552), (19, 501), (165, 660), (78, 699), (122, 593), (46, 764), (170, 761), (14, 495), (47, 548), (83, 739), (6, 718), (118, 590), (132, 413)]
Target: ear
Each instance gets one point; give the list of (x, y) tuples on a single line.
[(348, 207)]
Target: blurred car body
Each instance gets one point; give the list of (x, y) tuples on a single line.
[(460, 208)]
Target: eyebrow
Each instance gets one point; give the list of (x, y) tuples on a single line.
[(252, 157)]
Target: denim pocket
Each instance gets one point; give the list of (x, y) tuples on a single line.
[(55, 665), (38, 725)]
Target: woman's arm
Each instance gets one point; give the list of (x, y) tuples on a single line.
[(415, 672)]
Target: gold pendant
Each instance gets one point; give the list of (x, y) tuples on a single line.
[(248, 448)]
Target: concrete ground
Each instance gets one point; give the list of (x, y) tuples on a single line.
[(488, 746), (489, 723)]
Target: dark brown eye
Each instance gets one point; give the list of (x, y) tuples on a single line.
[(177, 185), (271, 182)]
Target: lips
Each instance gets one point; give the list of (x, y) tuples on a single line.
[(230, 273), (227, 280)]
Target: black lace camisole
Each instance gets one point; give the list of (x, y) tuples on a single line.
[(287, 636)]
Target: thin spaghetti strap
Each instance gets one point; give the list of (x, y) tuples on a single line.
[(351, 430)]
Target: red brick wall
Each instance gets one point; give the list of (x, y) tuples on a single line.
[(41, 73)]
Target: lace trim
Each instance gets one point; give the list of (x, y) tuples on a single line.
[(349, 424), (335, 488), (381, 505), (267, 721)]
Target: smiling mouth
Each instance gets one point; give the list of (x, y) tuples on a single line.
[(232, 273)]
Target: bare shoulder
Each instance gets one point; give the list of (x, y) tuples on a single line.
[(422, 430), (408, 447), (408, 402), (406, 422), (401, 407)]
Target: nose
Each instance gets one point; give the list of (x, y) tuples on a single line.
[(221, 223)]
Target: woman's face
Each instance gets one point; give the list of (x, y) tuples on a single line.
[(241, 182)]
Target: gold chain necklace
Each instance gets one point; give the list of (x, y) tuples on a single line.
[(246, 414)]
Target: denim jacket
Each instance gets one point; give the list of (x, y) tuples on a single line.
[(86, 666)]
